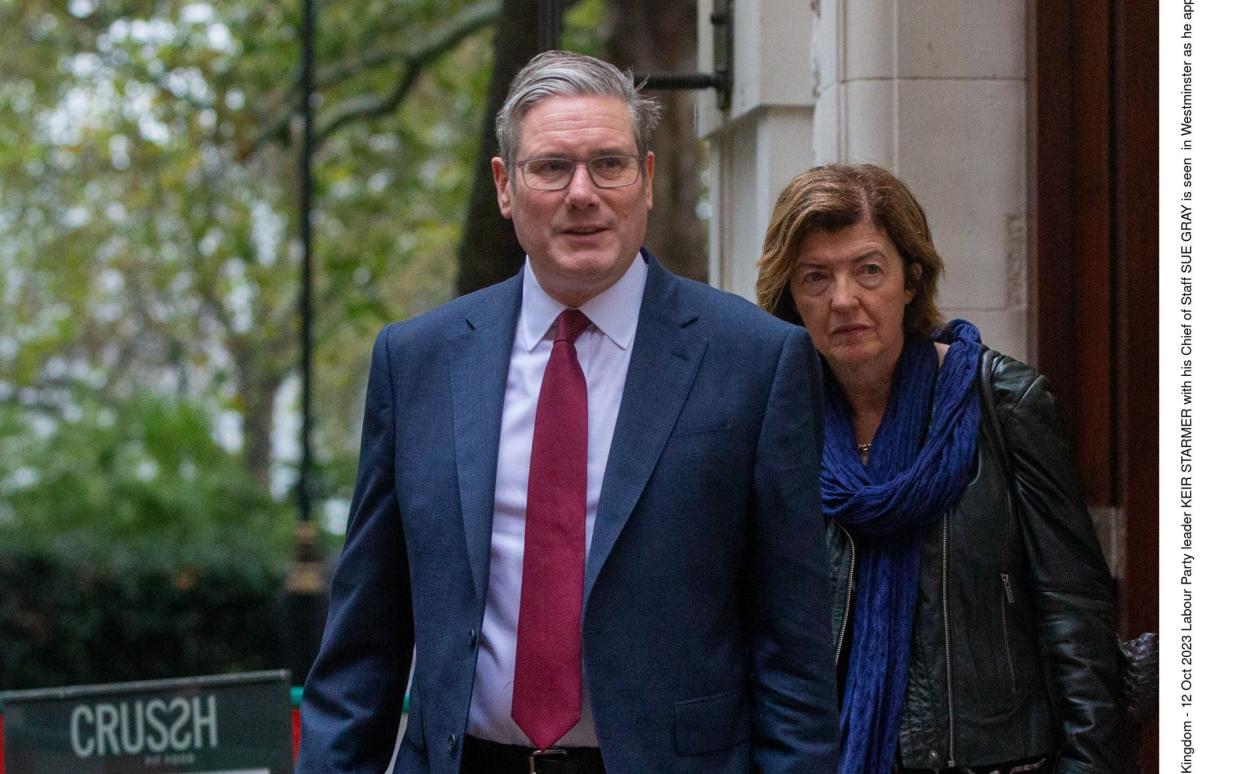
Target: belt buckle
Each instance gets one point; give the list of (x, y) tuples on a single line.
[(538, 755)]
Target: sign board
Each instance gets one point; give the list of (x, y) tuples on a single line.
[(227, 724)]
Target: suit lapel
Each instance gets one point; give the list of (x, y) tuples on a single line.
[(662, 368), (480, 369)]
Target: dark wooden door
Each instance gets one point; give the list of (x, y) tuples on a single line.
[(1092, 104)]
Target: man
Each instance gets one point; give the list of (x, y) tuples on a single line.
[(587, 494)]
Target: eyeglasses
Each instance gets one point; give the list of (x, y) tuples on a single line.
[(548, 173)]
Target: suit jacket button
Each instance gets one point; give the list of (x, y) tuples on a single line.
[(474, 638), (452, 742)]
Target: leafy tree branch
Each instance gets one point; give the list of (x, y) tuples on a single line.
[(414, 60)]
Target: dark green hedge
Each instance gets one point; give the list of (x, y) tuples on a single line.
[(71, 615), (134, 546)]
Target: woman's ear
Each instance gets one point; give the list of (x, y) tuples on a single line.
[(914, 273)]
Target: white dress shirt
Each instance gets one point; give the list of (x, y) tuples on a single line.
[(604, 350)]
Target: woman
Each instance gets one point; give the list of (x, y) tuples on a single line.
[(973, 607)]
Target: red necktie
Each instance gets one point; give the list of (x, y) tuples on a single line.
[(547, 681)]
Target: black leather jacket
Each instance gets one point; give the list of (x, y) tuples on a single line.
[(1013, 654)]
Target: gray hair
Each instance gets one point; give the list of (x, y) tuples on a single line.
[(567, 74)]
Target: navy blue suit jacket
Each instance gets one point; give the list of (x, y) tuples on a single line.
[(706, 629)]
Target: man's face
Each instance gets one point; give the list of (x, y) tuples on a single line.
[(583, 238)]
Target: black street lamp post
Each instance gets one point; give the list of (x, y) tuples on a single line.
[(305, 594)]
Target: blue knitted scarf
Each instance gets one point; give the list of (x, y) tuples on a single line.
[(919, 462)]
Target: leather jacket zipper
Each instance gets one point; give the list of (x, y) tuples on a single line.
[(1005, 603), (849, 597), (948, 644)]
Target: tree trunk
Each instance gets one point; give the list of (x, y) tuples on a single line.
[(658, 35), (257, 383), (489, 250)]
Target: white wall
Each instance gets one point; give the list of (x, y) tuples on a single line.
[(932, 89), (765, 138)]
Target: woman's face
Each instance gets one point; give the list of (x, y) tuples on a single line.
[(850, 289)]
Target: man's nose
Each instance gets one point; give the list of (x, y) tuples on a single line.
[(581, 190)]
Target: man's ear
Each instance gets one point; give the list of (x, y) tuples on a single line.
[(649, 162), (504, 194)]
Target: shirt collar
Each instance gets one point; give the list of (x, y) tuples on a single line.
[(614, 311)]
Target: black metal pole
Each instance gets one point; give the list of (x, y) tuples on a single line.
[(308, 192), (549, 24), (306, 603)]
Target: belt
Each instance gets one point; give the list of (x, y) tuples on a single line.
[(479, 756)]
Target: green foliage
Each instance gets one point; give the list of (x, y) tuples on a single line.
[(582, 26), (149, 290), (148, 191), (144, 482), (133, 546)]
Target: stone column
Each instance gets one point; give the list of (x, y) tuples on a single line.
[(764, 139)]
